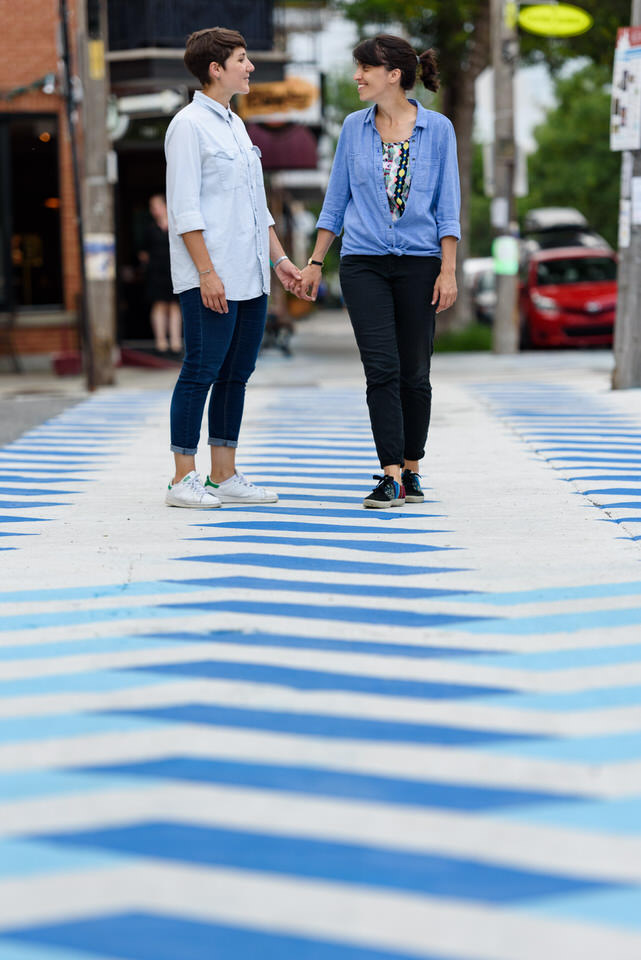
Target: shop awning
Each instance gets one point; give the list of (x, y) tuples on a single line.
[(285, 147)]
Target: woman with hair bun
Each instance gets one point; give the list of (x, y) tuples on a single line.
[(394, 191)]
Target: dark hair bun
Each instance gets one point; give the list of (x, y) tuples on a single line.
[(429, 70)]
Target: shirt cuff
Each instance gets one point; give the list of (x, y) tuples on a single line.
[(449, 228), (270, 220), (327, 222), (188, 221)]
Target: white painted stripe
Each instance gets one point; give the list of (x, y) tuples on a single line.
[(451, 764), (594, 856), (454, 713), (417, 925)]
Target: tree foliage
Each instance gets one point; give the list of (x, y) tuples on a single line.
[(573, 164), (447, 25), (597, 44)]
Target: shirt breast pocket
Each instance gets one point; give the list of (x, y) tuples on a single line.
[(425, 172), (357, 168), (221, 167)]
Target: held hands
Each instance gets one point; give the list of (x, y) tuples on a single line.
[(310, 280), (444, 291), (289, 275)]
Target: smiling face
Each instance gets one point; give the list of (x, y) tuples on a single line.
[(234, 76), (374, 82)]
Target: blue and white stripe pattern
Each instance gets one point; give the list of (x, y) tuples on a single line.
[(48, 466), (305, 731), (586, 439)]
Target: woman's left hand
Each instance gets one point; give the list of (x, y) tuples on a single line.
[(445, 291), (289, 275)]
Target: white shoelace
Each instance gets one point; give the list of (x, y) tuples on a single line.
[(195, 483), (245, 482)]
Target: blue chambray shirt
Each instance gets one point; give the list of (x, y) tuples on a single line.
[(215, 184), (356, 199)]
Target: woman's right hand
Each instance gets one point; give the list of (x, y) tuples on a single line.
[(308, 287), (212, 290)]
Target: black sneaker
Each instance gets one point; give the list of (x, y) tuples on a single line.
[(388, 493), (412, 484)]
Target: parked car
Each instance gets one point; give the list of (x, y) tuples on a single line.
[(548, 227), (478, 273), (568, 297), (484, 295)]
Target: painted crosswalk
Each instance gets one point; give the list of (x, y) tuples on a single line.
[(310, 731)]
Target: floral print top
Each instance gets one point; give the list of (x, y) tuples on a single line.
[(397, 174)]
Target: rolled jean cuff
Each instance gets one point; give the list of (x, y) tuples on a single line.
[(219, 442), (185, 451)]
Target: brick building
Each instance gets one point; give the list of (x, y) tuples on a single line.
[(39, 257), (39, 274)]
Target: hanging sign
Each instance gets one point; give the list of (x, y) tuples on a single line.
[(625, 115), (560, 20)]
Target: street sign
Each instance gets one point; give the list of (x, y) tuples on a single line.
[(625, 115), (167, 101), (560, 20)]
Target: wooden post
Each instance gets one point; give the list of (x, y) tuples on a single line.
[(504, 57), (98, 212)]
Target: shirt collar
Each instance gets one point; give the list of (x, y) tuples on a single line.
[(421, 113), (208, 103)]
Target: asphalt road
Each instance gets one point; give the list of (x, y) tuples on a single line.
[(21, 411)]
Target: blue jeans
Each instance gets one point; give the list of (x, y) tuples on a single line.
[(220, 350)]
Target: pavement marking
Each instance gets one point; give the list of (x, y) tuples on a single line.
[(368, 754)]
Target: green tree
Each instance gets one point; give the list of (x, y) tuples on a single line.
[(573, 164), (459, 30), (597, 44)]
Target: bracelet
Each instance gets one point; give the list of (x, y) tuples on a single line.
[(201, 273), (280, 260)]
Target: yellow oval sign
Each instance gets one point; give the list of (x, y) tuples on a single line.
[(560, 20)]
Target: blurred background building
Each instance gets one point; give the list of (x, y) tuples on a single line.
[(39, 261)]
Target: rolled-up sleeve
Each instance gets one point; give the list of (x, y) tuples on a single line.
[(182, 150), (448, 203), (338, 190)]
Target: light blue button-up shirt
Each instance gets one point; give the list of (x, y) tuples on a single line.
[(356, 198), (215, 184)]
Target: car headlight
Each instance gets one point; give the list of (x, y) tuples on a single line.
[(544, 303)]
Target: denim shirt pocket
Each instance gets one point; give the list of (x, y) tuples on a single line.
[(425, 171), (222, 167), (357, 168)]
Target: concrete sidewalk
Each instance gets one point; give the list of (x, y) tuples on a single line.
[(314, 732)]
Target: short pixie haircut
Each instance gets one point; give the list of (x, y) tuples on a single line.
[(213, 45)]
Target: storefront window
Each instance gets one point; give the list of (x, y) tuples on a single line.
[(32, 221)]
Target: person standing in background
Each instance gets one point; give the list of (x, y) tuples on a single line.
[(394, 189), (222, 241), (165, 311)]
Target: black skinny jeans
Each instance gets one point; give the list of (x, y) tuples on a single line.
[(389, 300)]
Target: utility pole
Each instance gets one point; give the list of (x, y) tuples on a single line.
[(504, 57), (627, 334), (97, 206), (72, 129)]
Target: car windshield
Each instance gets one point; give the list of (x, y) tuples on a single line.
[(576, 270)]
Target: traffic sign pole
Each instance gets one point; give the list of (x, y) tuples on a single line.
[(505, 335), (627, 333)]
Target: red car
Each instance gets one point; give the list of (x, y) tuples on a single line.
[(568, 298)]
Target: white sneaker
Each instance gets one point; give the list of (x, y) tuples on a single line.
[(190, 492), (238, 489)]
